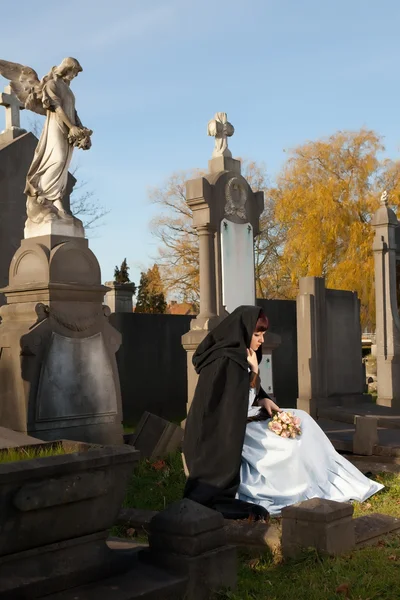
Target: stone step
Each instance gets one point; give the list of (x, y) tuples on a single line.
[(144, 581), (341, 435), (387, 417)]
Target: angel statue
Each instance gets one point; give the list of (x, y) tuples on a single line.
[(62, 132)]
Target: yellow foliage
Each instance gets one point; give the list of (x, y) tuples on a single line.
[(325, 198)]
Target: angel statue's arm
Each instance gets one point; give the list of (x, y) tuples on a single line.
[(56, 105), (77, 120)]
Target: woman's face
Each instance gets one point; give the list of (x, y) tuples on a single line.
[(257, 340), (70, 74)]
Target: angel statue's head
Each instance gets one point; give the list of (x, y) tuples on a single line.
[(68, 69)]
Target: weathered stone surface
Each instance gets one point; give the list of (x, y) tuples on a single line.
[(144, 581), (317, 523), (329, 345), (369, 528), (186, 518), (78, 515), (189, 539), (55, 513), (206, 573), (155, 437), (13, 439), (260, 535), (119, 296), (55, 313), (318, 510), (366, 435)]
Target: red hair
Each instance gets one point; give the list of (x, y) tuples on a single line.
[(262, 322)]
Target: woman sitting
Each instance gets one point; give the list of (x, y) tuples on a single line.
[(236, 464)]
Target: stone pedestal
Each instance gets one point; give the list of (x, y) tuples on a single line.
[(321, 524), (58, 373), (119, 297), (386, 249), (16, 154), (189, 538), (221, 200)]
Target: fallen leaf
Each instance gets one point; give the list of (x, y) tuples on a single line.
[(159, 465), (131, 532), (368, 505), (392, 557), (254, 562), (343, 589)]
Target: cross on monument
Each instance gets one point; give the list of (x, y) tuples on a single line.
[(220, 129), (13, 107)]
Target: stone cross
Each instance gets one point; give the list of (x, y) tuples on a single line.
[(221, 129), (13, 107)]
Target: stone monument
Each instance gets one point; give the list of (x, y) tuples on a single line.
[(226, 216), (58, 373), (386, 249), (17, 149), (329, 351), (119, 298)]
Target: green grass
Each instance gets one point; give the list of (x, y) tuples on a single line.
[(28, 453), (156, 483), (371, 573)]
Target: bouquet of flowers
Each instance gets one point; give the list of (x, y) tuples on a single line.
[(285, 424), (81, 139)]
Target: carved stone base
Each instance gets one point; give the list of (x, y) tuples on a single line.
[(69, 226), (58, 373)]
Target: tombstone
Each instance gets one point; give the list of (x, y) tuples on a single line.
[(226, 216), (329, 351), (155, 437), (386, 249), (58, 372), (119, 297)]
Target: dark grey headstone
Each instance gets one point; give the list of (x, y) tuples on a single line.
[(155, 437)]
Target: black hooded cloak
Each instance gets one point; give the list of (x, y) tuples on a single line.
[(216, 423)]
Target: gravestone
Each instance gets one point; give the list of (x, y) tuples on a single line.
[(226, 216), (386, 248), (329, 351), (58, 372), (155, 437), (119, 297)]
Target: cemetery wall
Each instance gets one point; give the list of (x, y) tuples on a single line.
[(152, 365)]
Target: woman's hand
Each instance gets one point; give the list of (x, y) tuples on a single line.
[(269, 405), (252, 360)]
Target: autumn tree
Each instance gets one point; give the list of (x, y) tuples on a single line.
[(178, 250), (151, 293), (324, 200)]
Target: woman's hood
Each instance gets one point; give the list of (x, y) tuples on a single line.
[(229, 339)]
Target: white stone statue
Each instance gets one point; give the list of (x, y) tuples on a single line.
[(62, 132), (221, 129)]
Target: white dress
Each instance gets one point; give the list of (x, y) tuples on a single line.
[(277, 472)]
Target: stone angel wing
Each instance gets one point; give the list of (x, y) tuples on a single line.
[(25, 84)]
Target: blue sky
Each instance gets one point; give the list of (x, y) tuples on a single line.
[(156, 71)]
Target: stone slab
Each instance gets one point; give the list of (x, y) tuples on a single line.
[(13, 439), (155, 437), (145, 582), (370, 527)]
